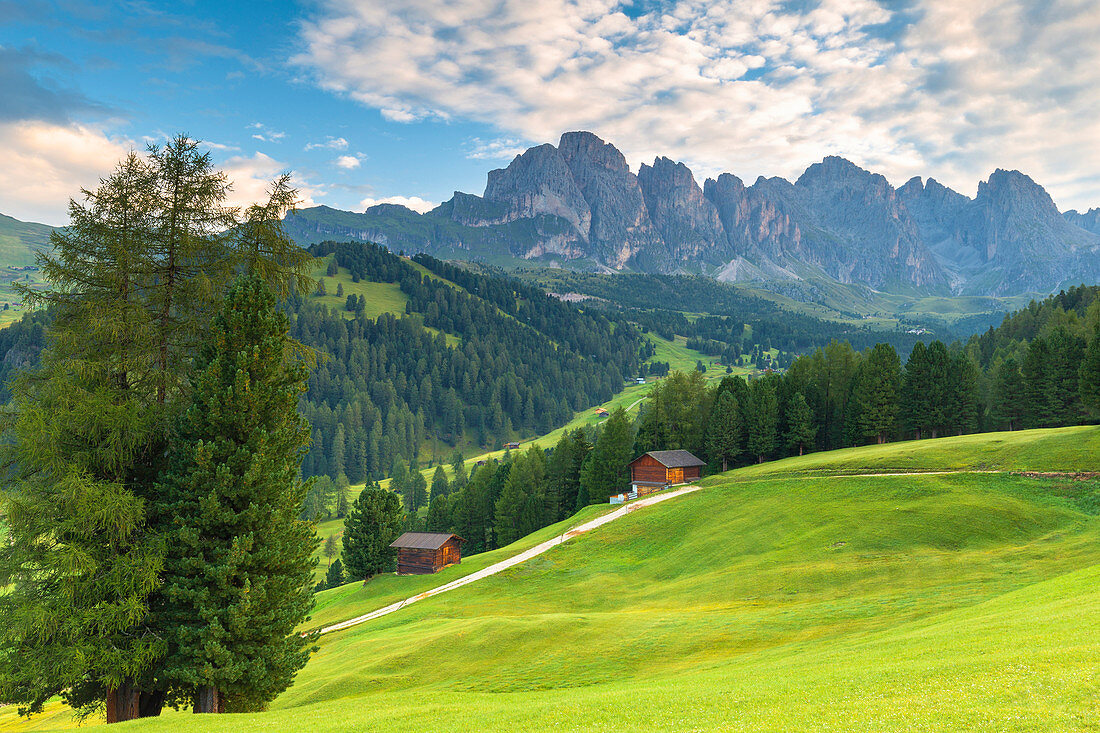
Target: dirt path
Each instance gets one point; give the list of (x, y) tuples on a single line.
[(516, 559)]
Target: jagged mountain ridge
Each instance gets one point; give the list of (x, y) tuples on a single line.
[(579, 202)]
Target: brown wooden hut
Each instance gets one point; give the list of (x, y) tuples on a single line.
[(660, 468), (421, 553)]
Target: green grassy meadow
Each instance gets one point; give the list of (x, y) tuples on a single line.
[(788, 596)]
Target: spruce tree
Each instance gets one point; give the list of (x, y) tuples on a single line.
[(372, 524), (605, 471), (238, 569), (763, 418), (1007, 404), (1090, 376), (335, 575), (440, 485), (724, 430), (801, 429), (876, 393), (439, 518), (963, 394), (136, 277)]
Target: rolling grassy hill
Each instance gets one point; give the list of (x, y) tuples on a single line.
[(790, 596)]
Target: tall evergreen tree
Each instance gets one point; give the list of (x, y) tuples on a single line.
[(238, 570), (876, 393), (1007, 409), (605, 471), (915, 387), (801, 429), (963, 394), (334, 577), (440, 485), (439, 516), (1090, 376), (136, 278), (724, 430), (372, 524), (762, 418)]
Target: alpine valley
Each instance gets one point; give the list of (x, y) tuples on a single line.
[(578, 205)]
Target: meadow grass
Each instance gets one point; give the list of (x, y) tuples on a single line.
[(778, 601)]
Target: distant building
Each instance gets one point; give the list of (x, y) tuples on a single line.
[(601, 412), (659, 469), (511, 446), (421, 553), (639, 380)]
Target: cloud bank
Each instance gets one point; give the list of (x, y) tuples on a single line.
[(756, 87)]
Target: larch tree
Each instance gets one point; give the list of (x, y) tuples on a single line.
[(237, 576), (1007, 409), (135, 278)]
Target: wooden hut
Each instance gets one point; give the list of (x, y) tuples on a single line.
[(421, 553), (660, 468)]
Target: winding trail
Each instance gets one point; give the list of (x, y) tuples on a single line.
[(515, 559)]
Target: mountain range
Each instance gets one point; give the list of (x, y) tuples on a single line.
[(579, 205)]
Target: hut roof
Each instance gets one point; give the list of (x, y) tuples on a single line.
[(424, 540), (674, 458)]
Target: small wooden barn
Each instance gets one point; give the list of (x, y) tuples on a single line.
[(660, 468), (421, 553), (511, 446)]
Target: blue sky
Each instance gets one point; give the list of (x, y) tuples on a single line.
[(408, 100)]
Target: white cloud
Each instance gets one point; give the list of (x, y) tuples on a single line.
[(265, 134), (46, 164), (347, 162), (750, 86), (329, 143), (412, 202), (250, 177), (502, 149)]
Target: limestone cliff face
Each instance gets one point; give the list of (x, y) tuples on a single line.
[(579, 201), (539, 182), (1089, 221), (621, 230), (875, 239), (686, 220)]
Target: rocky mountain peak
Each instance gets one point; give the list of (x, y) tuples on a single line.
[(540, 182), (687, 222)]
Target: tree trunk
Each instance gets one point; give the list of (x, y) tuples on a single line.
[(800, 448), (123, 703), (208, 700), (151, 703)]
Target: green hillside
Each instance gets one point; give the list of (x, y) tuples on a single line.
[(774, 599)]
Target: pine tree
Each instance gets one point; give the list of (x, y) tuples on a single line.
[(136, 277), (343, 487), (440, 485), (439, 516), (963, 394), (399, 478), (876, 393), (335, 575), (372, 524), (605, 472), (238, 570), (801, 429), (416, 490), (724, 430), (1090, 376), (763, 418), (916, 383), (1007, 408), (329, 548)]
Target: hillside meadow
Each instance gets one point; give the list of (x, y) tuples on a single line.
[(788, 596)]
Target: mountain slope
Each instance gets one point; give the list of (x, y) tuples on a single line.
[(777, 602), (578, 203), (21, 240)]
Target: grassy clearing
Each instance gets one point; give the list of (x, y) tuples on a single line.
[(785, 602)]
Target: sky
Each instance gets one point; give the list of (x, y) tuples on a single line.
[(406, 101)]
